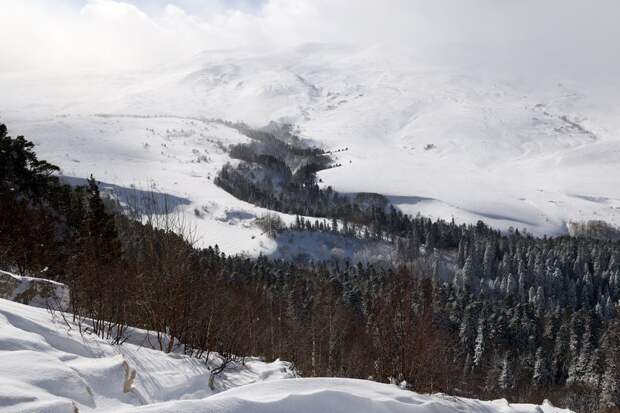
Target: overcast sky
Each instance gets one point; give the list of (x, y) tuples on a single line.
[(579, 37), (196, 7)]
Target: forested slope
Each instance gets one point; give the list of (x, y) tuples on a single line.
[(523, 318)]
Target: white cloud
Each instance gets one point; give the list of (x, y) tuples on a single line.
[(528, 36)]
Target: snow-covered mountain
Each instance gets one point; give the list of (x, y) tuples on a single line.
[(47, 365), (437, 139)]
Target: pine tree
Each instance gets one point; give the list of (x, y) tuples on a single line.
[(468, 276), (561, 354), (577, 356), (488, 262), (512, 286), (461, 253), (467, 331), (540, 299), (100, 225), (542, 375), (610, 381), (521, 289), (21, 171), (480, 343), (506, 378), (610, 386)]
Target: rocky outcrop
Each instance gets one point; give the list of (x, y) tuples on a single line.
[(37, 292)]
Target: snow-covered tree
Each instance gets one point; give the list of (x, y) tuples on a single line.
[(542, 373), (480, 345), (488, 261), (506, 378)]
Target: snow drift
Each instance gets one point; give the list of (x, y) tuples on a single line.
[(337, 395)]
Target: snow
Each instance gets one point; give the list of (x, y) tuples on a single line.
[(170, 158), (438, 139), (337, 395), (47, 366)]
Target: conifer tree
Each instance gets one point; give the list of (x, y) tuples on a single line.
[(542, 374), (506, 378)]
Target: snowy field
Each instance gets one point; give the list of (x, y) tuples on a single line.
[(176, 159), (433, 139), (47, 366)]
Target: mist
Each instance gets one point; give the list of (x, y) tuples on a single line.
[(565, 38)]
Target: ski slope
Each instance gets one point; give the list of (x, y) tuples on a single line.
[(438, 139), (46, 365)]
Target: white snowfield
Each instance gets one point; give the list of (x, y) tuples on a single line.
[(437, 139), (46, 366)]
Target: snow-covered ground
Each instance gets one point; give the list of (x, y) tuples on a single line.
[(47, 366), (171, 159), (437, 139), (337, 395)]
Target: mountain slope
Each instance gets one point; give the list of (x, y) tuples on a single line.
[(435, 138)]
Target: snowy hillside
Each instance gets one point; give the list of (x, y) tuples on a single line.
[(175, 158), (436, 139), (47, 366)]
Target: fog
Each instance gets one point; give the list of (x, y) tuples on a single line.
[(573, 38)]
